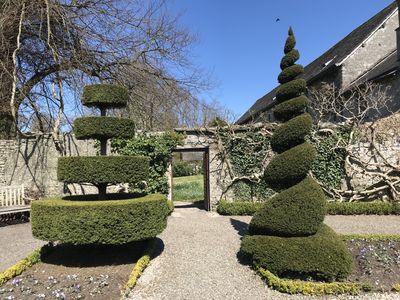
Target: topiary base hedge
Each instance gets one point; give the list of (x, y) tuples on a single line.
[(321, 256), (246, 208), (99, 222)]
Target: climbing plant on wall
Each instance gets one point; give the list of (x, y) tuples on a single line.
[(247, 149), (158, 148), (329, 164)]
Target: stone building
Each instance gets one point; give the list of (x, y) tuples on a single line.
[(368, 53)]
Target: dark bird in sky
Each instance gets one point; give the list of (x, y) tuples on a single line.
[(277, 20)]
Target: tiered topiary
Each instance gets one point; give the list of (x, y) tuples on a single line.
[(287, 236), (102, 218)]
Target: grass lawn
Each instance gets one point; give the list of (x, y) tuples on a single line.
[(188, 188)]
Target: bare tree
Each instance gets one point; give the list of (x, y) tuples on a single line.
[(50, 48), (367, 154)]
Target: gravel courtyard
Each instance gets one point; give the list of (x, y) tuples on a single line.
[(199, 260), (16, 242)]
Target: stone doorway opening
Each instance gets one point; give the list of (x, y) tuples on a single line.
[(199, 158)]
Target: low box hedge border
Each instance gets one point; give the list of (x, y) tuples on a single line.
[(139, 267), (244, 208), (289, 286), (310, 288), (35, 257), (24, 264)]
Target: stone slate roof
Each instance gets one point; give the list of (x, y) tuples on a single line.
[(327, 62)]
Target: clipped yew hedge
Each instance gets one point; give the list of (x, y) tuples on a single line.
[(103, 128), (290, 58), (104, 95), (322, 256), (247, 208), (103, 169), (99, 222), (291, 108), (290, 73), (290, 167), (287, 214), (291, 133), (291, 89)]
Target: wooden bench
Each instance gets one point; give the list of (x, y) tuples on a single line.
[(12, 200)]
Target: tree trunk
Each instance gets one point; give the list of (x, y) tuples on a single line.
[(102, 191), (7, 123), (103, 147)]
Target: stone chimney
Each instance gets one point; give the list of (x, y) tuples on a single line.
[(398, 31)]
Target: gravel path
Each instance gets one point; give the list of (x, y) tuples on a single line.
[(16, 242), (198, 259)]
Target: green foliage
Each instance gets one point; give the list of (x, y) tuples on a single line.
[(290, 42), (363, 208), (238, 208), (247, 208), (99, 222), (287, 235), (291, 133), (291, 90), (290, 59), (250, 191), (186, 168), (104, 95), (290, 167), (290, 108), (158, 148), (329, 164), (311, 288), (297, 211), (103, 128), (246, 151), (22, 265), (140, 266), (321, 256), (103, 169), (290, 73)]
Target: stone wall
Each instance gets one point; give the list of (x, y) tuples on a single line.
[(371, 52), (6, 148), (33, 162)]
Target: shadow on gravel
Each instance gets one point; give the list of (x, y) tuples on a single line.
[(99, 255), (13, 219), (197, 204), (240, 227)]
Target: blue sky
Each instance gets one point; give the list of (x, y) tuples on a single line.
[(240, 42)]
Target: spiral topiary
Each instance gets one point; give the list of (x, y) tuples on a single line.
[(102, 218), (287, 235)]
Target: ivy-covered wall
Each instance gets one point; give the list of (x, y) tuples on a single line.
[(247, 151)]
